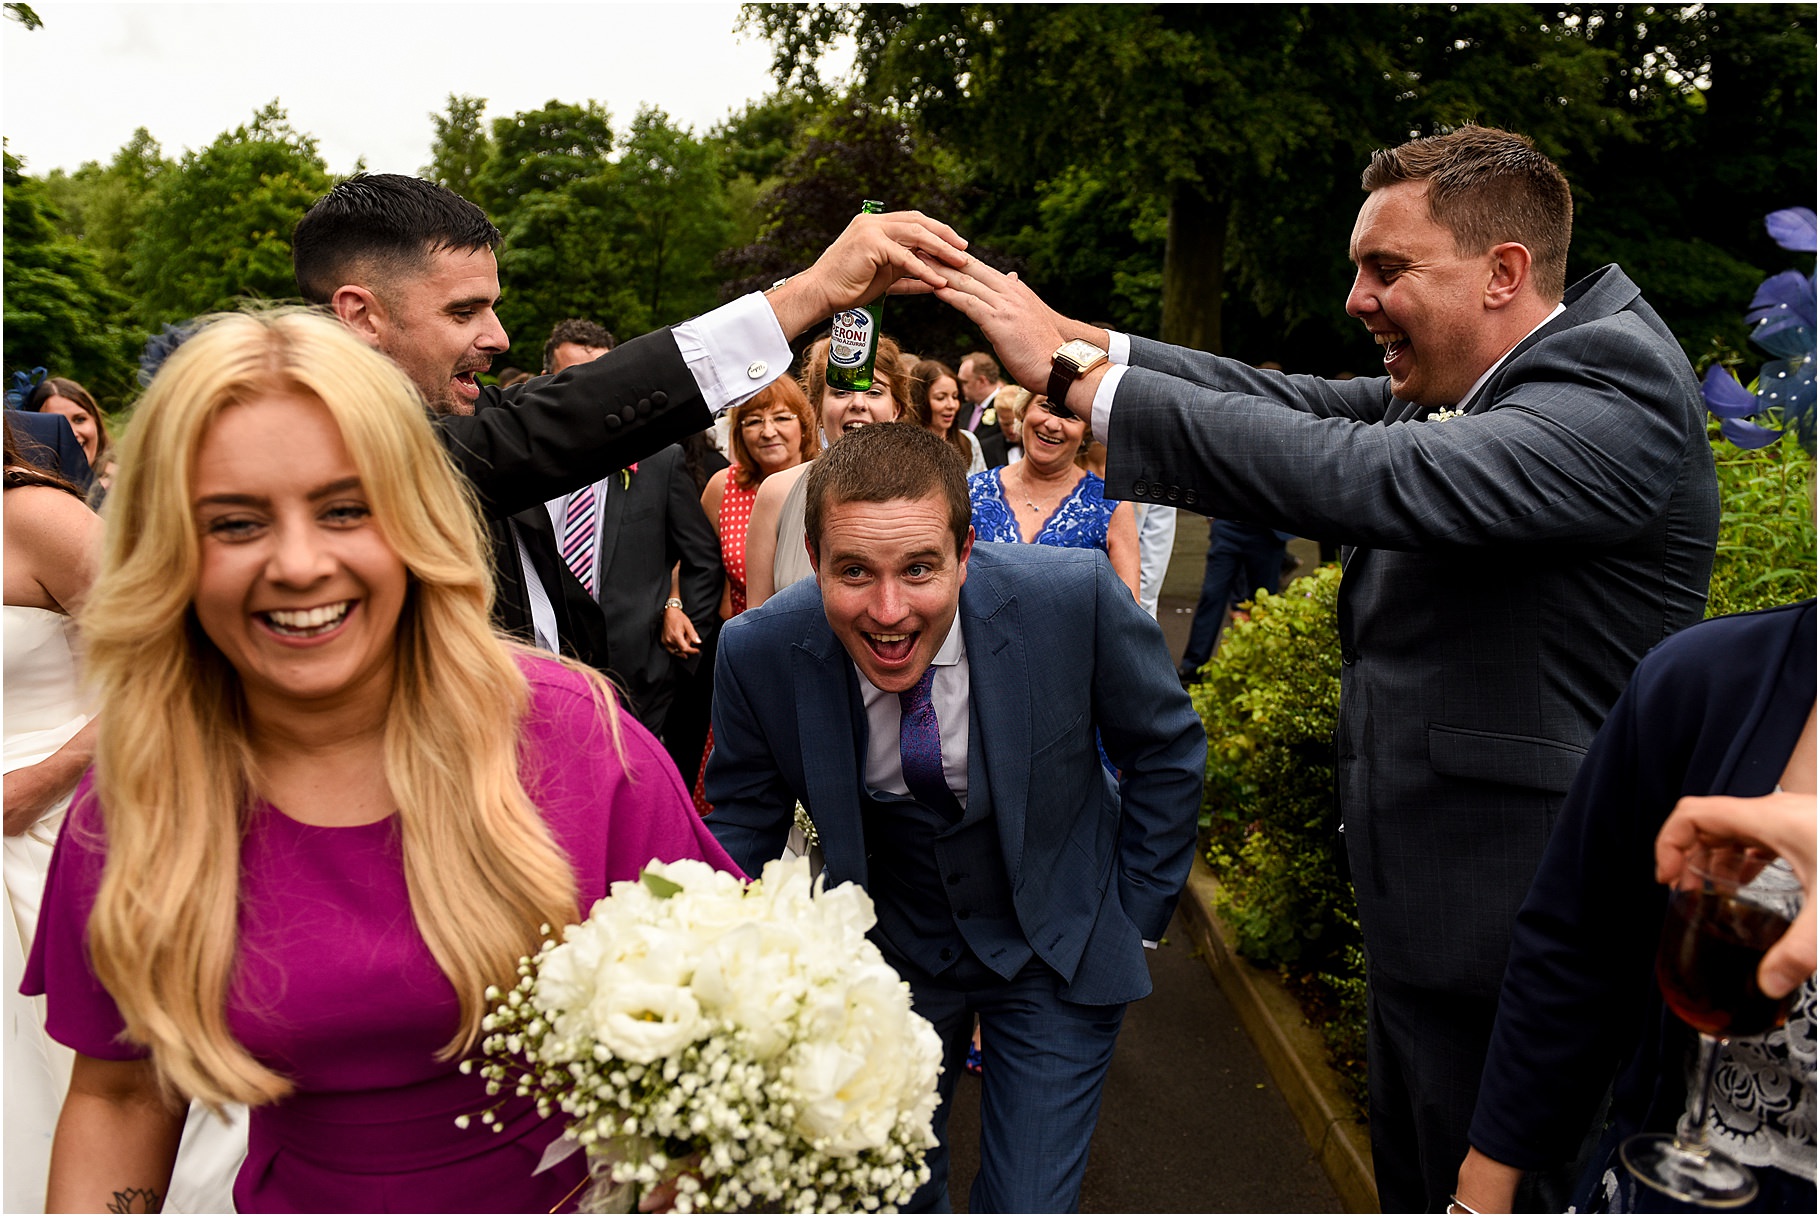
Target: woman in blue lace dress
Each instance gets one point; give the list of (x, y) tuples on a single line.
[(1049, 497)]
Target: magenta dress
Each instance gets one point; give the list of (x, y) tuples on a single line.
[(335, 988)]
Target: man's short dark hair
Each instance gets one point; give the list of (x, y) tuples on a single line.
[(1487, 187), (380, 225), (984, 365), (581, 332), (881, 464)]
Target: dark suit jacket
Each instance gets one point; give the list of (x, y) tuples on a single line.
[(993, 446), (1509, 569), (553, 434), (47, 440), (647, 527), (1056, 649)]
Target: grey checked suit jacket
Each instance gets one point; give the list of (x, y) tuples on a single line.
[(1507, 571)]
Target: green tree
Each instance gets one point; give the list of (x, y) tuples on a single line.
[(61, 313), (217, 228), (839, 159), (103, 206), (460, 146), (673, 217), (1247, 126), (541, 151)]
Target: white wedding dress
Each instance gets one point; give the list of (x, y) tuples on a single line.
[(44, 707)]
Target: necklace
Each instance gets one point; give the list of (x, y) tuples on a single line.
[(1033, 505)]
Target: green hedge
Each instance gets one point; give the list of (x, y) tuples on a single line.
[(1269, 701), (1270, 698), (1766, 527)]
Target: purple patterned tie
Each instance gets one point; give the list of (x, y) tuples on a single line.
[(919, 746), (578, 536)]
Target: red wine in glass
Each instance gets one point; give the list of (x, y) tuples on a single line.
[(1712, 944)]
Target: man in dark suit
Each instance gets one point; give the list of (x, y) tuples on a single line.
[(936, 705), (1529, 498), (621, 537), (409, 267)]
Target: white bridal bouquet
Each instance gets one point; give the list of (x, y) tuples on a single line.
[(743, 1041)]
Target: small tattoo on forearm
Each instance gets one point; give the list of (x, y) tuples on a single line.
[(137, 1200)]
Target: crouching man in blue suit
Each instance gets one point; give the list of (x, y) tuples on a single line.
[(934, 704)]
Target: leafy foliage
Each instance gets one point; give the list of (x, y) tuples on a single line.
[(1766, 553), (1270, 702), (839, 159), (61, 312), (216, 229), (459, 145)]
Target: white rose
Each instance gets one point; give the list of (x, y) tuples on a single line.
[(643, 1021)]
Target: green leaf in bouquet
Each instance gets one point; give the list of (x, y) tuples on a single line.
[(660, 887)]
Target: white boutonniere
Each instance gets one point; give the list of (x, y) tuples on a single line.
[(1442, 415)]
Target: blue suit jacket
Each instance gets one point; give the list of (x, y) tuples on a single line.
[(1057, 648)]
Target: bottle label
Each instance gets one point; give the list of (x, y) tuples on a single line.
[(850, 345)]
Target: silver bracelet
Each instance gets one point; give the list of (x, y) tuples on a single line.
[(1456, 1205), (672, 603)]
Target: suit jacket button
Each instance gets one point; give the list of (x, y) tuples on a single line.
[(660, 399), (1175, 494), (1188, 498), (629, 413), (1348, 656), (644, 406), (612, 422), (1140, 488), (947, 954)]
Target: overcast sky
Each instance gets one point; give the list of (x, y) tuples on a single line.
[(362, 78)]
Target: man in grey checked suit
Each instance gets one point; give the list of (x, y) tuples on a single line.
[(1529, 498)]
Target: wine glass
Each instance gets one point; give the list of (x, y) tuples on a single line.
[(1730, 905)]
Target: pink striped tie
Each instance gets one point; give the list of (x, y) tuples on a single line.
[(578, 536)]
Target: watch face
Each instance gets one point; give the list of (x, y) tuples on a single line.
[(1078, 354)]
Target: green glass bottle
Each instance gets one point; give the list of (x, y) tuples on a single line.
[(853, 345)]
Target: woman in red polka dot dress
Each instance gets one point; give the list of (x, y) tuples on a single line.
[(768, 433)]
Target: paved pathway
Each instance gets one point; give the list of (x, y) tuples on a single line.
[(1191, 1121)]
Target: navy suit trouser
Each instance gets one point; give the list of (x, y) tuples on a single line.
[(1241, 558), (1046, 1062)]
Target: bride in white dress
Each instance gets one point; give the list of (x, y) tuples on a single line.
[(53, 547), (53, 544)]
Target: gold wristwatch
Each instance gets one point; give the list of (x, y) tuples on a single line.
[(1071, 361)]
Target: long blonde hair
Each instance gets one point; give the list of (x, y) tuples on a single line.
[(173, 767)]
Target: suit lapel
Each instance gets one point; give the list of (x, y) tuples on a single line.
[(999, 678), (825, 695), (607, 539)]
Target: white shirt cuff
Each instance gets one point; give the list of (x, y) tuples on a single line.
[(1118, 347), (1102, 400), (734, 350), (1149, 945)]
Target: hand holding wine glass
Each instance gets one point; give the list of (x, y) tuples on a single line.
[(1730, 904), (1783, 823)]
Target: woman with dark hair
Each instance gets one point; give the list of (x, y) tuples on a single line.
[(58, 395), (935, 399), (53, 546)]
